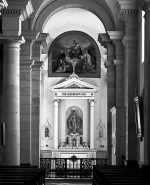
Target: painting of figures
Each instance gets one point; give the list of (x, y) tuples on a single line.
[(76, 48)]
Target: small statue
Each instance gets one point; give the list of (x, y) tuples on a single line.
[(74, 122)]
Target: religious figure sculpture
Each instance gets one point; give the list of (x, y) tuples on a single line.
[(74, 122)]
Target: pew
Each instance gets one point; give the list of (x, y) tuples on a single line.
[(113, 175), (33, 174)]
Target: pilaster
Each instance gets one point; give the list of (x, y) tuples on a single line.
[(116, 37), (145, 5), (111, 85), (25, 97), (41, 41), (129, 13)]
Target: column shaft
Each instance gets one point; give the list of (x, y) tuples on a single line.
[(25, 111), (55, 124), (35, 112), (92, 116), (1, 85), (11, 102)]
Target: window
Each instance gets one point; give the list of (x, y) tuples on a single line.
[(143, 36)]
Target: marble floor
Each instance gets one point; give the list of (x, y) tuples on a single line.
[(68, 182)]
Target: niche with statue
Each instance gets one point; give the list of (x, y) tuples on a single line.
[(74, 128)]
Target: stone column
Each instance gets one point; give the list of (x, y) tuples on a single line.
[(56, 124), (145, 5), (25, 98), (111, 86), (11, 101), (1, 87), (129, 13), (92, 116)]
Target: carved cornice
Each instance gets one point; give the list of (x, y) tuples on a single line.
[(104, 39), (44, 38), (116, 36), (29, 36), (128, 8), (17, 7), (128, 4)]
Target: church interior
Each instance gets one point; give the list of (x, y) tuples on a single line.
[(74, 80)]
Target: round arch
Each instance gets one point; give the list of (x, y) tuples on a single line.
[(52, 7)]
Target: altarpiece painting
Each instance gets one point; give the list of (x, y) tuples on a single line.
[(74, 48)]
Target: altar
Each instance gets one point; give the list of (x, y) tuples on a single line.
[(75, 136)]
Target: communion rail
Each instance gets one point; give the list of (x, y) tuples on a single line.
[(70, 167)]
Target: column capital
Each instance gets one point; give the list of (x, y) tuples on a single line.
[(116, 36), (145, 5), (130, 41)]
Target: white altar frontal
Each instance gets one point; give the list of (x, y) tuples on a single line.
[(74, 131)]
